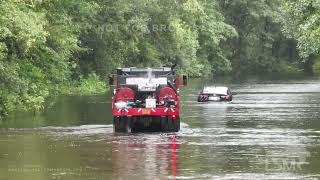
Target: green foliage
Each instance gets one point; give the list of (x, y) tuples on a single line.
[(36, 45), (286, 69), (86, 86), (301, 21), (260, 46), (316, 66), (155, 33), (22, 31)]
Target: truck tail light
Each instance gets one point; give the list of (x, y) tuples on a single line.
[(174, 117)]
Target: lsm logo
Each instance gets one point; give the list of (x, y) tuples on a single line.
[(282, 163)]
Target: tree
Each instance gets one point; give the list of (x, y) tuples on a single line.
[(300, 21), (37, 41), (259, 36)]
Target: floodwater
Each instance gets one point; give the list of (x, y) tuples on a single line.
[(270, 131)]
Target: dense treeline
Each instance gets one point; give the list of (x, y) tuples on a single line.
[(49, 47)]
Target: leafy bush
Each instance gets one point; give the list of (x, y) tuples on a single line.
[(288, 69), (87, 86), (316, 66)]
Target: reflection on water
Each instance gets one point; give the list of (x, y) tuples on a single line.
[(151, 157), (270, 131), (87, 152)]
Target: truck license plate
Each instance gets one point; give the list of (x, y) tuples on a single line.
[(151, 103), (146, 111)]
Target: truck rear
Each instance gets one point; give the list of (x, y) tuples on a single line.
[(146, 99)]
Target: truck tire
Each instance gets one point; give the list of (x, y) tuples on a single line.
[(170, 125), (121, 124), (176, 125)]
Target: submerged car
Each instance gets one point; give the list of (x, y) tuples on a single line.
[(215, 94)]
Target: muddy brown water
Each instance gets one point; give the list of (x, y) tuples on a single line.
[(270, 131)]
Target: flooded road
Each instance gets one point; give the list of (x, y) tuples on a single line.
[(270, 131)]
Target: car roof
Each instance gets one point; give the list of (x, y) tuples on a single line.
[(215, 90)]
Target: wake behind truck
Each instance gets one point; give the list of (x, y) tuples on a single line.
[(146, 99)]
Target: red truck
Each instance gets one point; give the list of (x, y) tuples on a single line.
[(146, 99)]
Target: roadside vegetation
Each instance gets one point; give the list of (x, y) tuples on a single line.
[(52, 47)]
